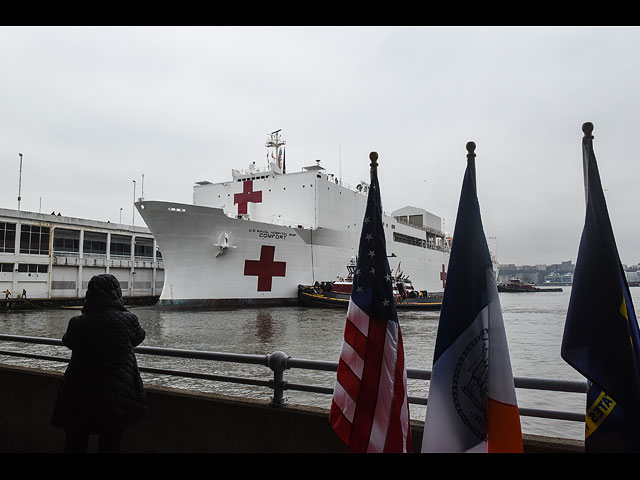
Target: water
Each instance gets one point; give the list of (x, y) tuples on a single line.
[(534, 323)]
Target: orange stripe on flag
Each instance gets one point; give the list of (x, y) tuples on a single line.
[(504, 433)]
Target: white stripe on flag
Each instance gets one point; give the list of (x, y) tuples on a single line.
[(359, 318), (444, 429), (387, 383), (351, 358), (501, 387), (345, 403)]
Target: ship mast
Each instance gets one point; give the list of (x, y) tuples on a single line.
[(275, 142)]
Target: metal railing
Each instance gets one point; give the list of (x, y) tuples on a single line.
[(279, 362)]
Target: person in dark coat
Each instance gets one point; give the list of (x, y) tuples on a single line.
[(101, 391)]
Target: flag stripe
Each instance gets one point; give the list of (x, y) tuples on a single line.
[(368, 394), (385, 404), (341, 425), (399, 412), (349, 382), (352, 359), (358, 317), (504, 434), (355, 338)]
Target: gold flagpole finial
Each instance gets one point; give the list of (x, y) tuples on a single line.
[(471, 149), (373, 156), (471, 157)]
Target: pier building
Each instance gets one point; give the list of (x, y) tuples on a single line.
[(51, 258)]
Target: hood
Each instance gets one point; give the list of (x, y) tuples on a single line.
[(103, 293)]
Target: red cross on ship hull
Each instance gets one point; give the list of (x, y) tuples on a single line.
[(247, 195), (265, 268)]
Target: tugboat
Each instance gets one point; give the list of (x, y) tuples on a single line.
[(338, 293), (517, 285)]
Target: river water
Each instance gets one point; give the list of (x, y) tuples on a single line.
[(534, 324)]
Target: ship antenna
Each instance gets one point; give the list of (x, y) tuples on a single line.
[(275, 141)]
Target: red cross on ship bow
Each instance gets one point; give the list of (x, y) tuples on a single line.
[(265, 268)]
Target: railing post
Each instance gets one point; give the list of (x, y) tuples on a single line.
[(277, 362)]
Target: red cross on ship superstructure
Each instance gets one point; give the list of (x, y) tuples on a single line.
[(265, 268), (443, 276), (247, 195)]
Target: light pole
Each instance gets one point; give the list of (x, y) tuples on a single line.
[(20, 182), (133, 213), (120, 217)]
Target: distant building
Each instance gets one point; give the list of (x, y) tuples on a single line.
[(556, 274), (633, 275)]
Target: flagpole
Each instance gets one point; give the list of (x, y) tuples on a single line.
[(587, 129), (471, 158)]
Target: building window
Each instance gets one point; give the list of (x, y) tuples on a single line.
[(34, 239), (65, 240), (32, 268), (6, 267), (7, 237), (95, 243), (121, 245), (144, 247)]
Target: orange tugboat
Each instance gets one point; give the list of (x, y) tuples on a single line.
[(337, 293)]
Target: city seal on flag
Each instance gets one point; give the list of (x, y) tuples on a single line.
[(471, 384)]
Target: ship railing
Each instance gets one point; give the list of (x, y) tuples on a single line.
[(435, 231), (279, 362)]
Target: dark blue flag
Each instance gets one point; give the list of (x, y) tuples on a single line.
[(601, 337)]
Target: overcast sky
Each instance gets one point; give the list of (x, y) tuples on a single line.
[(94, 108)]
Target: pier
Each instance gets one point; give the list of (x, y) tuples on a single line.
[(49, 259), (190, 421)]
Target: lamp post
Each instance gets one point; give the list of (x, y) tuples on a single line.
[(20, 182), (133, 213)]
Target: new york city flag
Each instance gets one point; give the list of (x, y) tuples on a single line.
[(472, 404), (601, 338)]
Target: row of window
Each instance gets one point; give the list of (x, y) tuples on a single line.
[(25, 268), (409, 240), (35, 240)]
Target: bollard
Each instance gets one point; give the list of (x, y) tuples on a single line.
[(277, 362)]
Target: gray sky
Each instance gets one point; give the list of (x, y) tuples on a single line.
[(94, 108)]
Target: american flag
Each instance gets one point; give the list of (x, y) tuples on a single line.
[(370, 409)]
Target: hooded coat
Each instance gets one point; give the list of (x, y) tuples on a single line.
[(101, 389)]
